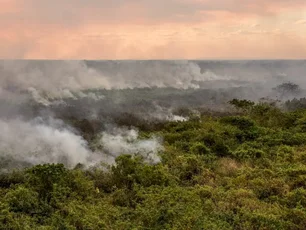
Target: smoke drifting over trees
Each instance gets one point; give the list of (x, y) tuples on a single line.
[(44, 104), (152, 145)]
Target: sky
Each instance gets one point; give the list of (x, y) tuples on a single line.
[(153, 29)]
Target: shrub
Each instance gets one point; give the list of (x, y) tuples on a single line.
[(199, 149), (245, 152), (130, 171), (23, 200), (242, 123), (241, 104), (221, 149), (43, 177)]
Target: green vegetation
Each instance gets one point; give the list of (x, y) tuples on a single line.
[(246, 171)]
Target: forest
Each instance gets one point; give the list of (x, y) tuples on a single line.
[(240, 169)]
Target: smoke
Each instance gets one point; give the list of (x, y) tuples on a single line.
[(48, 81), (103, 90), (58, 97), (35, 143), (64, 79), (177, 74), (39, 141), (90, 95), (126, 141), (164, 114), (54, 76), (50, 76)]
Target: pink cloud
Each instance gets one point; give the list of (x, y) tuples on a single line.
[(299, 22), (78, 12), (149, 29)]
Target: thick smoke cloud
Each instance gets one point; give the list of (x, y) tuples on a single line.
[(33, 91), (58, 78), (54, 76), (49, 82), (37, 142), (49, 76), (26, 143)]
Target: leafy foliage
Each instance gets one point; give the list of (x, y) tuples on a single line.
[(217, 172)]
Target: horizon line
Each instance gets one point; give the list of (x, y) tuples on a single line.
[(176, 59)]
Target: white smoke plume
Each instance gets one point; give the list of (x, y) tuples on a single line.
[(50, 80), (50, 76), (77, 75), (165, 114), (40, 141), (126, 141), (35, 142), (63, 79), (58, 97)]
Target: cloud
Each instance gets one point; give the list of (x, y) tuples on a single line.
[(299, 22), (254, 25), (215, 43), (124, 29), (80, 12)]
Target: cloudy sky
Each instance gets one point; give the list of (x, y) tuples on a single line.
[(153, 29)]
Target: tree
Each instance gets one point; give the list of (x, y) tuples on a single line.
[(243, 105), (287, 89), (43, 178)]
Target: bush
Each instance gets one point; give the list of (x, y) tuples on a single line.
[(242, 104), (219, 172), (12, 178), (130, 171), (221, 149), (199, 149), (243, 123), (23, 200), (43, 177), (245, 152)]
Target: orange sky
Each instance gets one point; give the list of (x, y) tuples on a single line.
[(159, 29)]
